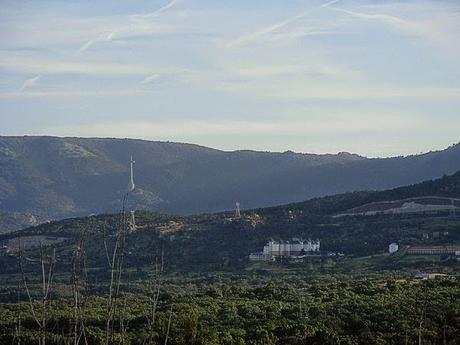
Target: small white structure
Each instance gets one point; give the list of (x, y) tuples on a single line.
[(237, 210), (393, 248)]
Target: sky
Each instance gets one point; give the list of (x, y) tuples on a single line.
[(374, 77)]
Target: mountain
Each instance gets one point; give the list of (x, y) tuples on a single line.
[(55, 177)]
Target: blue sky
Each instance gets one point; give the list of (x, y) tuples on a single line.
[(379, 78)]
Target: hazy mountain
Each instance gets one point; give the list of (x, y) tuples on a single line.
[(62, 177)]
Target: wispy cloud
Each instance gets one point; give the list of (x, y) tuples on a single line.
[(299, 90), (435, 30), (19, 63), (312, 69), (30, 82), (76, 93), (285, 92), (183, 128)]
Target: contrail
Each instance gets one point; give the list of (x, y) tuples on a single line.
[(254, 35), (87, 45), (137, 17), (384, 17), (327, 4), (134, 18)]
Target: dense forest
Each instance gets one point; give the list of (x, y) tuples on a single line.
[(272, 308)]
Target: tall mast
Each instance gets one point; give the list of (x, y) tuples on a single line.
[(131, 185)]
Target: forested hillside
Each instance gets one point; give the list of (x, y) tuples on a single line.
[(447, 186), (213, 240)]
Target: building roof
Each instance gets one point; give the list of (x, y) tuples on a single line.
[(449, 247)]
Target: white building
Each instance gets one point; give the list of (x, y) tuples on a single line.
[(393, 248), (295, 247)]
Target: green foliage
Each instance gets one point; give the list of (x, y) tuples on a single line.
[(374, 311)]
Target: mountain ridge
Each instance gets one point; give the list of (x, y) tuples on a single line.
[(55, 177)]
